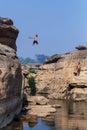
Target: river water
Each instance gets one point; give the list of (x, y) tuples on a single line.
[(71, 116)]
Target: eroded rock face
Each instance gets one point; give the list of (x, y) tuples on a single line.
[(57, 79), (10, 74), (8, 33)]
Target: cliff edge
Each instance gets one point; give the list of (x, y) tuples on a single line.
[(10, 73)]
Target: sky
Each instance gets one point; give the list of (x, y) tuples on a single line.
[(61, 25)]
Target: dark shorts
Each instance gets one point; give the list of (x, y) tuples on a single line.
[(35, 42)]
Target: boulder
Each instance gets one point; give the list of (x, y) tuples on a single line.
[(41, 110), (39, 100), (8, 33)]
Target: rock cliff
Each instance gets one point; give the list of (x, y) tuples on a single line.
[(10, 73), (8, 33), (56, 76)]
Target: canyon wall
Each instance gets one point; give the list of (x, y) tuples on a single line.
[(56, 76), (10, 73)]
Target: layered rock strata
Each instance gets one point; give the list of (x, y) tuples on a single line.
[(56, 76), (8, 33), (10, 73)]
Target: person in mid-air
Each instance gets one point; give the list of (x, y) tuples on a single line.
[(35, 42)]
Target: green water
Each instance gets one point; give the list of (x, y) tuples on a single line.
[(71, 116)]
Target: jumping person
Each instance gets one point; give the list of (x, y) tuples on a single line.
[(35, 38)]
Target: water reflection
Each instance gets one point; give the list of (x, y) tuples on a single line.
[(72, 116), (14, 126), (40, 126)]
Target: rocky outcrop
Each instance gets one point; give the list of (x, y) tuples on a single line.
[(41, 111), (56, 76), (81, 47), (8, 33), (40, 106), (10, 73), (53, 59), (37, 100)]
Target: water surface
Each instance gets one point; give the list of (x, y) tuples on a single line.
[(40, 126), (71, 116)]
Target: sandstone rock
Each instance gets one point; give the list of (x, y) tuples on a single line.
[(10, 73), (39, 100), (8, 33), (54, 78), (56, 106), (10, 85), (53, 59), (6, 21), (41, 110)]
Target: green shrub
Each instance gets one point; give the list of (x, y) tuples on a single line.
[(32, 85), (32, 71)]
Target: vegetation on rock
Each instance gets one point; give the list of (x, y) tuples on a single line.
[(32, 85), (81, 47)]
